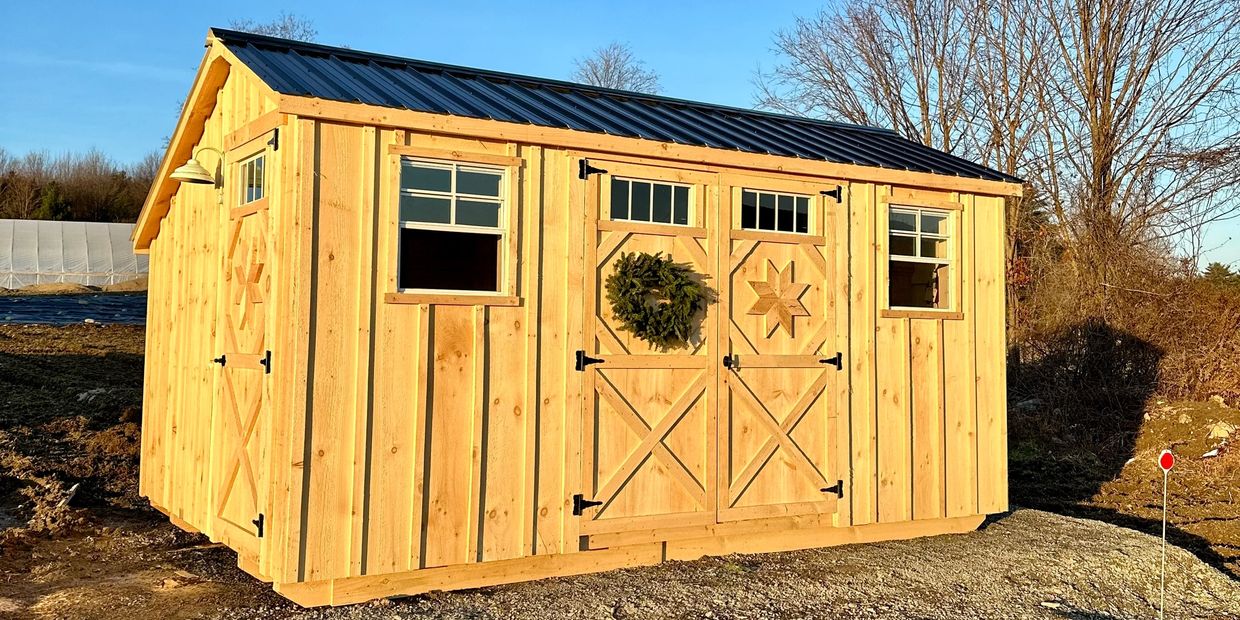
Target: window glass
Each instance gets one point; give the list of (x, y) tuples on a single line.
[(775, 212), (426, 209), (903, 220), (426, 177), (640, 207), (749, 210), (920, 259), (903, 246), (766, 211), (451, 227), (680, 205), (253, 178), (649, 201), (619, 199), (784, 220), (933, 248), (662, 203), (478, 183), (477, 213)]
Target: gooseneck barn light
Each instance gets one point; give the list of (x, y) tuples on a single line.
[(194, 172)]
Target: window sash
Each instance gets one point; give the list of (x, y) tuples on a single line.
[(917, 235), (796, 215), (628, 208), (253, 175), (453, 196), (500, 230)]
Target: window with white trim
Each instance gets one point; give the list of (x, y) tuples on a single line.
[(774, 211), (649, 201), (452, 226), (919, 258), (253, 186)]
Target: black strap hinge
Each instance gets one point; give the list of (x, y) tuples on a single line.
[(266, 362), (258, 523), (837, 361), (837, 489), (584, 360), (580, 503), (837, 193), (274, 142), (584, 169)]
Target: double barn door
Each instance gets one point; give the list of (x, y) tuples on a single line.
[(742, 422)]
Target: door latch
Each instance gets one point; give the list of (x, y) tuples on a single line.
[(837, 489), (580, 503), (731, 362), (584, 360), (837, 361), (221, 360)]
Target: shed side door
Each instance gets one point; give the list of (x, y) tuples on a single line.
[(779, 424), (648, 431), (239, 458)]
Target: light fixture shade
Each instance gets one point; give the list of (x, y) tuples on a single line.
[(193, 172)]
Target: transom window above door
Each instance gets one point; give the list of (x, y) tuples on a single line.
[(649, 201), (774, 212)]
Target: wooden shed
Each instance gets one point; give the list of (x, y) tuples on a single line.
[(381, 358)]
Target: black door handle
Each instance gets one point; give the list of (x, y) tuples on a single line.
[(731, 361)]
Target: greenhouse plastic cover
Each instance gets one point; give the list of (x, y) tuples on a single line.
[(91, 253)]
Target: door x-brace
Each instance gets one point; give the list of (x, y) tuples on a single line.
[(652, 439)]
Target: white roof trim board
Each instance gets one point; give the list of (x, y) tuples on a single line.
[(91, 253)]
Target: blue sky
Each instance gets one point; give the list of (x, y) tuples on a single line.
[(82, 74)]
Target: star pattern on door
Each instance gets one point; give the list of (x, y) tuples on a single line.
[(779, 298)]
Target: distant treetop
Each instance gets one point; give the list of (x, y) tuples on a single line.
[(286, 26), (614, 66)]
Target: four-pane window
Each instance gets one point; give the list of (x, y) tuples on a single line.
[(451, 220), (774, 212), (649, 201), (919, 257)]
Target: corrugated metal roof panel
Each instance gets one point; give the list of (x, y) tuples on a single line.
[(339, 74)]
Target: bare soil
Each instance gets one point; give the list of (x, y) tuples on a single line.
[(77, 542)]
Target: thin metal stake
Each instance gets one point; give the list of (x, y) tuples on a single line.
[(1162, 578)]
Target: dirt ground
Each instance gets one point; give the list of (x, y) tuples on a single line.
[(77, 542)]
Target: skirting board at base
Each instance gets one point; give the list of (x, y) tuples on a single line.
[(351, 590)]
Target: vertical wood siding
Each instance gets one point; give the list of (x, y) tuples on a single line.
[(416, 435), (186, 287)]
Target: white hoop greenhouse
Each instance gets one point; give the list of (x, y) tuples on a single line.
[(90, 253)]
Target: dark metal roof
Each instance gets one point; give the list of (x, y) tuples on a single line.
[(339, 74)]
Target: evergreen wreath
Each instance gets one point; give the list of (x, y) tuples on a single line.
[(655, 298)]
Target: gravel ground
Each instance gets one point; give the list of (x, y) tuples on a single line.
[(1028, 564)]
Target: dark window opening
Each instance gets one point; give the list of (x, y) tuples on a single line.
[(442, 260), (916, 285)]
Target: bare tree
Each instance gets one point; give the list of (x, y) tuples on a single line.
[(285, 26), (901, 64), (1142, 132), (614, 66)]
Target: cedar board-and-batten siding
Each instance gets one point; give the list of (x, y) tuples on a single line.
[(405, 436), (447, 434), (186, 287)]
